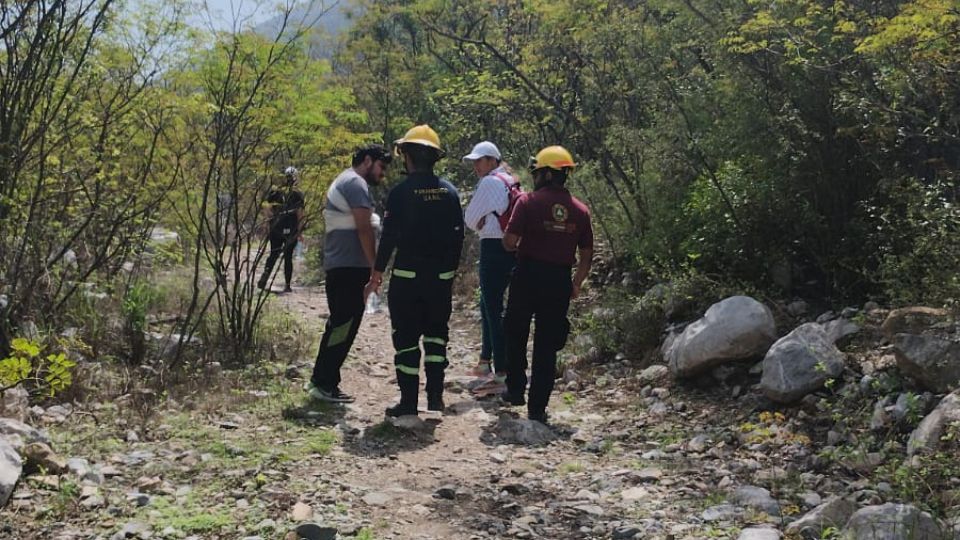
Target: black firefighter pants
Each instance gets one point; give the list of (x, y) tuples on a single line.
[(539, 291), (345, 300), (419, 307)]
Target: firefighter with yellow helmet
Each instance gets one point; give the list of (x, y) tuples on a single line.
[(423, 226), (550, 230)]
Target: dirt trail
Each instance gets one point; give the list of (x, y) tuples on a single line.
[(252, 457), (459, 451)]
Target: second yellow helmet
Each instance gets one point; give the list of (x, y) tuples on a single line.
[(555, 157)]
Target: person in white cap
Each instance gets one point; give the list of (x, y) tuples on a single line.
[(487, 213)]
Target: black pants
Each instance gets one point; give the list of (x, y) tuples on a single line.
[(285, 244), (419, 307), (345, 300), (539, 291)]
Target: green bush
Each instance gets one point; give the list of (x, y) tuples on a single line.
[(915, 235), (26, 364)]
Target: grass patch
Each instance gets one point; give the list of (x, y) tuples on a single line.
[(384, 431), (572, 467), (365, 534), (189, 516)]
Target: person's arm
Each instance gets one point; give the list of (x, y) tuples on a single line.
[(483, 202), (361, 217), (584, 260), (511, 241), (388, 242), (457, 224), (513, 233), (264, 226), (584, 256)]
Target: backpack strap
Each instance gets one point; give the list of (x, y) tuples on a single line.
[(506, 178)]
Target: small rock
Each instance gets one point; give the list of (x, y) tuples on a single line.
[(797, 308), (834, 512), (301, 512), (759, 533), (94, 501), (448, 492), (698, 444), (377, 498), (133, 529), (634, 494), (40, 456), (756, 497), (722, 512), (592, 509), (138, 499), (314, 531), (626, 532), (811, 499)]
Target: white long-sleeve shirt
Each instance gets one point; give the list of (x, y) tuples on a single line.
[(491, 196)]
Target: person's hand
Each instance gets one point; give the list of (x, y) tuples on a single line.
[(373, 285), (575, 291), (480, 223)]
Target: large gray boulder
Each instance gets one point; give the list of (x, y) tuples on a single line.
[(800, 363), (736, 328), (932, 361), (10, 468), (893, 522), (834, 512), (913, 320), (926, 437)]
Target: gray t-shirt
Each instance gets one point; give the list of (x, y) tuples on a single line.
[(341, 248)]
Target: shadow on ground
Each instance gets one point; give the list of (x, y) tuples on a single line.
[(391, 437)]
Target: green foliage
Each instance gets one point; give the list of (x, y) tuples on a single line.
[(25, 364), (739, 139), (915, 235), (140, 298)]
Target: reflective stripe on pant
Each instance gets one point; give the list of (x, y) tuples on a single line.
[(344, 288), (419, 307), (539, 291)]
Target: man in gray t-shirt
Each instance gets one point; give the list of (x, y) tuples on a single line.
[(349, 250)]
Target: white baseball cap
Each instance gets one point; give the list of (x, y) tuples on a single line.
[(482, 149)]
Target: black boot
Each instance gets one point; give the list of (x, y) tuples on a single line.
[(435, 402), (402, 409), (435, 376), (409, 388)]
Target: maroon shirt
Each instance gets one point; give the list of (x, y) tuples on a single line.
[(552, 224)]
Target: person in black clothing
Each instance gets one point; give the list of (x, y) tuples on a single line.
[(423, 223), (286, 223)]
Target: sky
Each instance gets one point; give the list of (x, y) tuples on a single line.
[(223, 13)]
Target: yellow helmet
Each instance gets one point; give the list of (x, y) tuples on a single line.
[(555, 157), (422, 135)]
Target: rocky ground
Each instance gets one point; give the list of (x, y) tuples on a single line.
[(629, 454)]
